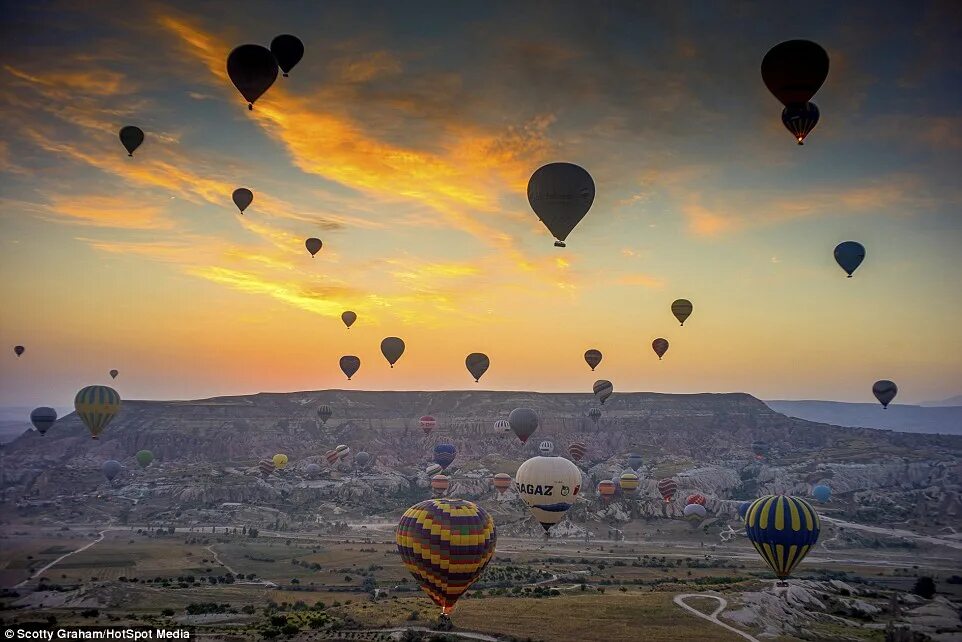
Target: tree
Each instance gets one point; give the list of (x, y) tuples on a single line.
[(924, 587)]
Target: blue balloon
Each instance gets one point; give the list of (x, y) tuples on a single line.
[(783, 530), (849, 255), (444, 454), (822, 493), (743, 509)]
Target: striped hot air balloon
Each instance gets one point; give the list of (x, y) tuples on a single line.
[(577, 451), (695, 498), (602, 390), (444, 454), (343, 452), (502, 427), (331, 456), (501, 482), (446, 544), (439, 484), (606, 488), (783, 529), (629, 481), (266, 466), (667, 487), (432, 470), (97, 406), (427, 423)]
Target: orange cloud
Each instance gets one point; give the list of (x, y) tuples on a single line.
[(705, 222), (643, 280), (108, 211)]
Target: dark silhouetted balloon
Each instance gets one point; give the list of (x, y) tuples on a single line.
[(242, 198), (524, 421), (593, 358), (18, 350), (681, 308), (660, 346), (561, 194), (348, 318), (252, 69), (800, 120), (114, 373), (288, 51), (111, 469), (362, 459), (602, 389), (885, 392), (349, 365), (313, 245), (131, 138), (634, 461), (849, 255), (43, 418), (794, 70), (477, 364), (392, 348), (324, 412)]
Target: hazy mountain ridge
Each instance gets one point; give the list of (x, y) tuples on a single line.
[(945, 420)]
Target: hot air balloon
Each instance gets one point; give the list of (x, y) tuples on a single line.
[(682, 309), (603, 390), (242, 198), (331, 456), (253, 70), (111, 469), (594, 414), (849, 255), (606, 489), (97, 406), (113, 374), (392, 348), (312, 470), (427, 423), (18, 350), (760, 449), (313, 245), (546, 447), (501, 482), (288, 51), (885, 391), (667, 487), (577, 451), (695, 512), (446, 544), (660, 346), (266, 466), (280, 461), (502, 427), (131, 137), (144, 457), (324, 412), (362, 459), (561, 194), (432, 469), (343, 452), (629, 481), (524, 421), (43, 418), (477, 364), (794, 70), (348, 318), (350, 365), (593, 358), (634, 461), (695, 498), (800, 120), (549, 486), (440, 484), (743, 509), (444, 454), (783, 529), (822, 493)]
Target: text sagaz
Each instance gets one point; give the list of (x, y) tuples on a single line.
[(532, 489)]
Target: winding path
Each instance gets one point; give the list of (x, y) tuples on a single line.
[(100, 538), (722, 605)]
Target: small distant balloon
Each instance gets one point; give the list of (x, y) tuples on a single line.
[(432, 469), (350, 365), (444, 454), (577, 451), (524, 421), (594, 414), (348, 318), (114, 373), (660, 346), (606, 489), (43, 418), (561, 195), (546, 447), (392, 348), (440, 484), (681, 308), (427, 423), (131, 138), (477, 364), (667, 487), (822, 493), (362, 459), (280, 460), (502, 427), (629, 481), (324, 412), (242, 198), (312, 470), (885, 391), (800, 120), (696, 498), (602, 389), (743, 509), (18, 350), (634, 461), (252, 69), (501, 482), (288, 51), (593, 358), (144, 457), (313, 245), (849, 255), (695, 512), (111, 469)]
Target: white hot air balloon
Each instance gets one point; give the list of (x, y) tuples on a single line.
[(549, 486)]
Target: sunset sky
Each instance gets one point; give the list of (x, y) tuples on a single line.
[(404, 140)]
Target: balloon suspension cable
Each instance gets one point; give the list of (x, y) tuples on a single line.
[(285, 75), (130, 154), (250, 106)]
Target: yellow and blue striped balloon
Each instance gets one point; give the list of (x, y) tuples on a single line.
[(783, 531), (97, 406)]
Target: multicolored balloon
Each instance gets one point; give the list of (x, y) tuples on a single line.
[(501, 482), (629, 481), (602, 390), (546, 447), (606, 489), (427, 423), (343, 452), (783, 530), (667, 487), (432, 469), (97, 406), (577, 450), (549, 486), (696, 498), (439, 484), (331, 456), (502, 427), (266, 466)]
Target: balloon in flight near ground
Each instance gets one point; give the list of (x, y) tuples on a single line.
[(432, 469), (440, 484), (324, 412), (593, 358), (242, 198), (444, 454), (97, 406), (43, 418), (546, 447), (667, 487), (446, 545), (427, 423), (696, 498), (760, 449), (561, 194), (606, 489), (523, 421), (313, 245), (695, 512), (502, 427), (362, 459), (392, 348), (114, 373), (111, 469), (348, 318), (577, 451), (602, 390), (682, 309), (629, 481), (800, 120), (280, 461), (501, 482), (822, 493), (885, 392), (849, 255), (288, 51), (343, 451), (131, 138), (18, 350), (634, 461), (783, 529), (549, 486), (252, 69), (660, 346), (794, 70), (312, 470), (144, 457), (350, 365), (477, 364), (331, 456), (265, 466)]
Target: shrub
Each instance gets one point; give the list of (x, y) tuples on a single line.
[(924, 587)]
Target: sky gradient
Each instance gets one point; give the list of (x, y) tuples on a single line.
[(404, 140)]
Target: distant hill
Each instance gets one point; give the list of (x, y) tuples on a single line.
[(951, 401), (942, 420)]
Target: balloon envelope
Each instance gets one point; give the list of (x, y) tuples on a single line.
[(252, 69), (667, 487), (444, 454), (549, 486), (350, 365), (18, 350), (593, 358), (602, 389), (743, 509), (629, 481), (280, 460), (392, 348), (114, 373), (501, 482), (477, 364), (502, 426), (144, 457), (594, 414), (97, 406), (324, 412), (577, 451), (634, 461), (111, 469), (822, 493), (606, 488), (783, 529), (446, 544), (523, 421), (561, 194), (660, 346), (432, 470), (440, 484), (313, 245), (794, 70), (546, 447), (695, 498), (312, 470), (348, 318), (288, 51), (242, 198), (362, 459), (43, 418), (131, 137), (427, 423), (682, 309), (849, 255), (885, 391), (800, 120), (695, 511)]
